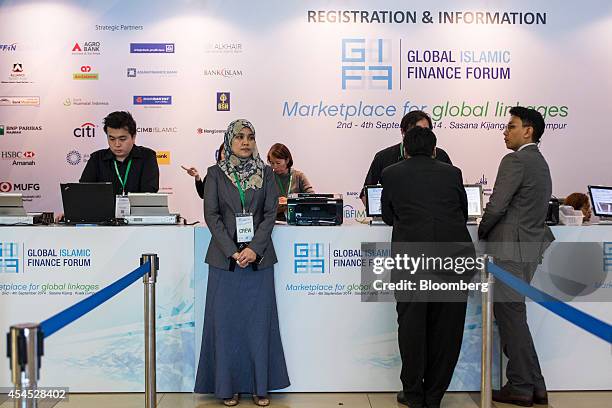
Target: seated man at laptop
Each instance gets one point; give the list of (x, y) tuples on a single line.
[(129, 167)]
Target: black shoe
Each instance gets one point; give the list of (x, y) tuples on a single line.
[(540, 397), (401, 398), (506, 396)]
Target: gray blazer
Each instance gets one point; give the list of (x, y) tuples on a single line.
[(514, 219), (222, 203)]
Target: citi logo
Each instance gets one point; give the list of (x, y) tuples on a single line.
[(87, 129)]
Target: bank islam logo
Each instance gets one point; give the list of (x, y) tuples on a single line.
[(87, 129), (367, 63), (9, 257), (86, 74), (86, 48), (153, 100), (152, 48), (309, 257), (223, 101), (163, 157), (223, 72)]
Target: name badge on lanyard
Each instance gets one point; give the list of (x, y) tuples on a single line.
[(122, 206), (245, 230)]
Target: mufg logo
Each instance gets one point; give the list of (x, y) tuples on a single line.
[(9, 257), (308, 257), (366, 63)]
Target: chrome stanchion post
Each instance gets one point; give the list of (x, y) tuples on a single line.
[(486, 377), (149, 280), (25, 348)]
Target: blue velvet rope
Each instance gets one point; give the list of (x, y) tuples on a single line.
[(577, 317), (69, 315)]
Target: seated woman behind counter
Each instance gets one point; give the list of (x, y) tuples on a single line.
[(288, 180)]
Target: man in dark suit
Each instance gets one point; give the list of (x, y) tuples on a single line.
[(425, 202), (394, 154), (517, 236)]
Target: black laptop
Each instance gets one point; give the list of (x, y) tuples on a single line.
[(88, 203)]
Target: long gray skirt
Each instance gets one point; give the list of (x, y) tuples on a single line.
[(241, 344)]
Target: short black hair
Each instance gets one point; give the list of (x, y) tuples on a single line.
[(419, 141), (411, 118), (120, 120), (530, 117)]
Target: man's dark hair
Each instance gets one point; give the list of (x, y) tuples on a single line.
[(419, 141), (120, 120), (411, 118), (530, 117)]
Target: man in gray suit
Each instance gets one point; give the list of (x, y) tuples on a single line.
[(517, 236)]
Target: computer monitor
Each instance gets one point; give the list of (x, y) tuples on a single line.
[(373, 196), (474, 198), (601, 197), (88, 202)]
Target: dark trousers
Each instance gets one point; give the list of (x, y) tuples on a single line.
[(429, 336), (523, 370)]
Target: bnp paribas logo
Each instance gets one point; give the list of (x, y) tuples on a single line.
[(9, 257), (367, 63), (309, 257)]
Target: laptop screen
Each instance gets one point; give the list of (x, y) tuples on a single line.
[(474, 197), (601, 197), (373, 196), (88, 202)]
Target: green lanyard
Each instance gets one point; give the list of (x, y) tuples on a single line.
[(402, 150), (240, 190), (280, 184), (123, 180)]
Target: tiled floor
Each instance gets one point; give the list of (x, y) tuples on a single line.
[(348, 400)]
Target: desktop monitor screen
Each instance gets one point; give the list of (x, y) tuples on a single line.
[(474, 197), (373, 196), (601, 197)]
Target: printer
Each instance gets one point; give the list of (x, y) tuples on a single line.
[(314, 209), (150, 209)]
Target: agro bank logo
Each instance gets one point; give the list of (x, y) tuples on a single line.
[(163, 157), (9, 257), (86, 48), (367, 63), (310, 257)]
